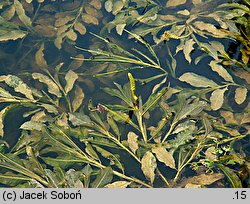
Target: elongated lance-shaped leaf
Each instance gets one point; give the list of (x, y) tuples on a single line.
[(103, 178), (116, 47), (147, 80), (153, 99), (144, 55), (123, 117), (143, 41), (231, 176), (117, 71), (122, 93), (161, 124), (114, 160)]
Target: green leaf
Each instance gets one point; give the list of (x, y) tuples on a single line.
[(73, 179), (114, 160), (113, 125), (52, 177), (87, 171), (197, 80), (164, 156), (231, 176), (52, 86), (78, 119), (189, 108), (105, 177), (108, 6), (5, 94), (90, 151), (148, 166), (181, 138), (32, 125), (153, 99)]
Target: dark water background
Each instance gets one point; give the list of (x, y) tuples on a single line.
[(13, 64)]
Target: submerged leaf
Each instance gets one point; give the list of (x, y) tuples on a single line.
[(172, 3), (132, 141), (240, 95), (118, 184), (197, 80), (188, 47), (148, 166), (78, 98), (105, 177), (52, 86), (203, 179), (70, 78), (78, 119), (114, 159), (217, 98), (108, 5), (2, 115), (164, 156), (18, 85), (21, 14), (12, 35), (231, 176), (40, 60), (32, 125), (221, 71)]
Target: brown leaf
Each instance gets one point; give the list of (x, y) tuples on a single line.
[(229, 117), (188, 47), (39, 56), (197, 80), (118, 184), (217, 98), (148, 166), (71, 35), (164, 156), (243, 74), (132, 141), (203, 179), (70, 78), (63, 20), (221, 71), (209, 28), (80, 28), (96, 3), (78, 99), (240, 95), (89, 19), (172, 3), (52, 86)]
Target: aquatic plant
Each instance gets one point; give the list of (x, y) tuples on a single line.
[(174, 134)]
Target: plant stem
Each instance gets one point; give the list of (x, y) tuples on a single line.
[(187, 162)]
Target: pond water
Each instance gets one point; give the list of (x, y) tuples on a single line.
[(192, 46)]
